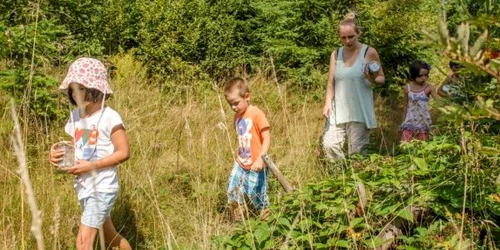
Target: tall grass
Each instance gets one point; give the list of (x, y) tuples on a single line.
[(173, 187)]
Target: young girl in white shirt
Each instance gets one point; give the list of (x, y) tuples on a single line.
[(100, 144)]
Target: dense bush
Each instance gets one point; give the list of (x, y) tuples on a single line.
[(41, 100), (176, 38)]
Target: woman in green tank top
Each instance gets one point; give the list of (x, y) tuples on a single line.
[(349, 110)]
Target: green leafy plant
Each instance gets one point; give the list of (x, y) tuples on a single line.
[(43, 102), (419, 191)]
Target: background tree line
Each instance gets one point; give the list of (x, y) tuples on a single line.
[(209, 39), (180, 41)]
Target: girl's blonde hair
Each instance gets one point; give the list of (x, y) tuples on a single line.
[(350, 19)]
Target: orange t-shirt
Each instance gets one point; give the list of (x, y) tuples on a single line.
[(248, 128)]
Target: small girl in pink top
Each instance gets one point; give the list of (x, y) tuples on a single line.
[(417, 118)]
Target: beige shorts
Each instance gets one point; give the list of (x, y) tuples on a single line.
[(335, 136)]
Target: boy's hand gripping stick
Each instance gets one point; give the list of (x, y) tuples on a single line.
[(277, 173)]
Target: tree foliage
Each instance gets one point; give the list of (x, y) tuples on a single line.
[(205, 39)]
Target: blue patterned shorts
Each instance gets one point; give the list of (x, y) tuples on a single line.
[(250, 184)]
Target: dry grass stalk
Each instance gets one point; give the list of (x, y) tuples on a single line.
[(17, 142), (165, 224), (464, 151), (54, 229)]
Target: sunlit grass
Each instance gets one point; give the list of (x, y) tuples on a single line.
[(173, 187)]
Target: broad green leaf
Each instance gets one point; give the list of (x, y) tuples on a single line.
[(356, 221), (268, 244), (454, 240), (410, 248), (342, 243), (305, 238), (421, 163), (406, 214), (335, 242), (284, 222), (262, 233), (244, 247), (249, 241), (384, 180), (322, 206), (387, 210), (320, 246), (421, 230), (373, 242), (338, 228), (490, 151), (348, 190)]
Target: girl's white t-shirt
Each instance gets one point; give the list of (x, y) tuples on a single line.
[(92, 141)]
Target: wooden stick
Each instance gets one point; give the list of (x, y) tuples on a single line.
[(277, 173)]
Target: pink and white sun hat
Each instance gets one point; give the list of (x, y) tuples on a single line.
[(90, 73)]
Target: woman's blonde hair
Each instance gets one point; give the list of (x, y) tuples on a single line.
[(350, 19)]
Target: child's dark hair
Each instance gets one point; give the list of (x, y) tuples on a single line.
[(415, 67), (236, 83), (91, 95)]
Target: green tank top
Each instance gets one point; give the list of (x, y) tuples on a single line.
[(353, 96)]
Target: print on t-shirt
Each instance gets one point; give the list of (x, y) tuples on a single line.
[(243, 127), (86, 142)]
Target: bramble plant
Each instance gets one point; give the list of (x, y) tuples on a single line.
[(420, 191)]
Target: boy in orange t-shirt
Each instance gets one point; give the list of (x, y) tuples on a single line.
[(249, 174)]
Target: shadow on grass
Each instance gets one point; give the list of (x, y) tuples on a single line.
[(125, 221)]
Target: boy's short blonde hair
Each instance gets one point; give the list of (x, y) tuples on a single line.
[(237, 83)]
